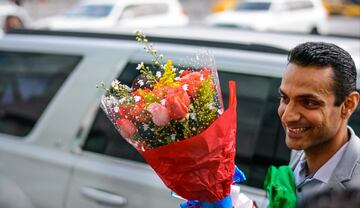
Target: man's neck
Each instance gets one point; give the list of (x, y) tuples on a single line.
[(317, 156)]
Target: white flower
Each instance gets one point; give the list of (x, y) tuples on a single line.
[(163, 102), (116, 109), (220, 112), (115, 84), (174, 69), (158, 74), (146, 127), (141, 82), (137, 98), (139, 66), (173, 137), (193, 116), (185, 87), (202, 78)]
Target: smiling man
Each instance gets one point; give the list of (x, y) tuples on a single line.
[(318, 96)]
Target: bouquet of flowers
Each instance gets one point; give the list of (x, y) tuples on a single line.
[(176, 120)]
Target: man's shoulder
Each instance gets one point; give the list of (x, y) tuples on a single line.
[(348, 169), (354, 145)]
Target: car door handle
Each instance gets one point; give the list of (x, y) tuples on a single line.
[(103, 197)]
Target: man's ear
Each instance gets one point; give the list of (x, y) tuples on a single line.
[(350, 104)]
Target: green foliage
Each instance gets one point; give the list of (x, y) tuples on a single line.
[(204, 107)]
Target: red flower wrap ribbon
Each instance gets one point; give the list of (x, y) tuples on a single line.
[(201, 167)]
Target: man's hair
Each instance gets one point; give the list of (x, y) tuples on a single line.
[(322, 55)]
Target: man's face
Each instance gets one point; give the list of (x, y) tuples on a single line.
[(307, 109)]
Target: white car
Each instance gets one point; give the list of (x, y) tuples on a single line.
[(97, 14), (300, 16), (7, 8), (59, 150)]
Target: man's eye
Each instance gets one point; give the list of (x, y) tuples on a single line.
[(311, 103), (283, 99)]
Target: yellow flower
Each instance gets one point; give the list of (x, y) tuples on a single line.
[(167, 78)]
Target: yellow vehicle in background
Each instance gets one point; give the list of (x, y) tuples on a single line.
[(223, 5), (343, 7)]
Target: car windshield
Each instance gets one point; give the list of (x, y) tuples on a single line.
[(99, 10), (253, 6)]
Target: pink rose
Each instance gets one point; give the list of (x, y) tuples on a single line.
[(177, 103), (127, 128), (160, 114)]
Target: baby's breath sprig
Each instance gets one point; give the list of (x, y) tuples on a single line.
[(117, 89), (151, 78), (158, 59)]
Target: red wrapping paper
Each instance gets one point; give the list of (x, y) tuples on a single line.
[(200, 167)]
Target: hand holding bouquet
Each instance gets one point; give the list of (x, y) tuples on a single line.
[(176, 121)]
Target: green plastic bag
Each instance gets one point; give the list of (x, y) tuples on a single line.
[(280, 187)]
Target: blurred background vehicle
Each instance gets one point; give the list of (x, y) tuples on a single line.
[(302, 16), (223, 5), (13, 15), (113, 13), (59, 150), (343, 7)]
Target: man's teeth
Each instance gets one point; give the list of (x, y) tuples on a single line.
[(297, 130)]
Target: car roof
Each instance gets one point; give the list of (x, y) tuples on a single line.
[(122, 1), (232, 35), (227, 38), (279, 42)]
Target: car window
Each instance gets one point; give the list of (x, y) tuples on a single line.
[(95, 11), (260, 138), (103, 138), (28, 81), (141, 10), (298, 5), (253, 6)]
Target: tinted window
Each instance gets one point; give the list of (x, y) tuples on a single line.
[(90, 11), (298, 5), (28, 81), (134, 11), (253, 6), (103, 137), (260, 137)]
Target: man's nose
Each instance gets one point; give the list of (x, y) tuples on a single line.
[(290, 113)]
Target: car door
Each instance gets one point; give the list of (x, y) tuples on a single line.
[(32, 171), (108, 171)]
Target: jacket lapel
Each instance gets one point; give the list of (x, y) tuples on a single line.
[(345, 168)]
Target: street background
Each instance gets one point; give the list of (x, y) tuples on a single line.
[(196, 10)]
